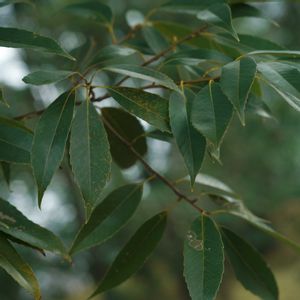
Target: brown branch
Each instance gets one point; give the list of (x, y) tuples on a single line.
[(151, 171)]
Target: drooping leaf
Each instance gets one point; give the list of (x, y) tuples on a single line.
[(15, 141), (46, 77), (154, 39), (281, 53), (89, 154), (129, 128), (249, 266), (236, 81), (49, 141), (145, 74), (6, 171), (147, 106), (220, 16), (2, 98), (108, 217), (19, 38), (284, 79), (203, 259), (17, 268), (190, 142), (135, 253), (211, 113), (16, 225), (92, 10)]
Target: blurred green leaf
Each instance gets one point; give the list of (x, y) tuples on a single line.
[(249, 266), (108, 217), (147, 106), (154, 39), (49, 141), (8, 2), (6, 171), (19, 38), (89, 154), (2, 98), (135, 253), (17, 268), (203, 259)]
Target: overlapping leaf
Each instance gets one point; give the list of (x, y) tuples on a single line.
[(190, 142), (19, 38), (154, 39), (50, 137), (135, 253), (108, 217), (89, 154), (203, 259), (147, 106)]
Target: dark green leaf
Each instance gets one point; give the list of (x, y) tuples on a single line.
[(147, 106), (135, 253), (130, 129), (220, 16), (281, 53), (236, 81), (203, 259), (108, 217), (154, 39), (46, 77), (249, 266), (16, 225), (211, 113), (92, 10), (49, 141), (15, 141), (19, 38), (145, 74), (6, 171), (159, 135), (89, 154), (190, 142), (2, 98), (17, 268)]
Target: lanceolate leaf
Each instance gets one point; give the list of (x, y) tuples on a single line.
[(15, 141), (249, 266), (236, 82), (282, 53), (211, 113), (130, 129), (218, 15), (89, 154), (149, 107), (19, 38), (46, 77), (154, 39), (135, 253), (108, 217), (145, 74), (50, 139), (16, 225), (203, 259), (190, 142), (17, 268)]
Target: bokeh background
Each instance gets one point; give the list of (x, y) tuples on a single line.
[(260, 161)]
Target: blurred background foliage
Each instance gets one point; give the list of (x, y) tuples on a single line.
[(260, 161)]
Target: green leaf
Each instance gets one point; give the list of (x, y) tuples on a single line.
[(49, 141), (92, 10), (190, 142), (135, 253), (108, 217), (284, 79), (15, 142), (211, 113), (281, 53), (147, 106), (17, 268), (220, 16), (130, 129), (159, 135), (154, 39), (2, 98), (6, 171), (145, 74), (16, 225), (236, 81), (89, 154), (19, 38), (203, 259), (249, 266), (46, 77)]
